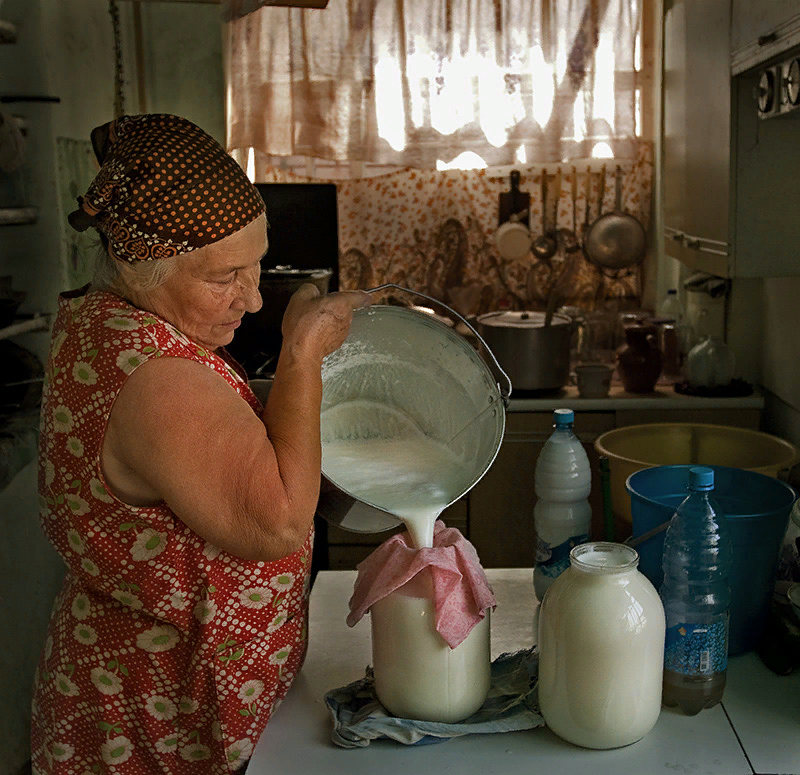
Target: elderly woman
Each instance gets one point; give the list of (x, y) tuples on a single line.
[(182, 507)]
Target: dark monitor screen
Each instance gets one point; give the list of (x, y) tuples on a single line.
[(303, 227)]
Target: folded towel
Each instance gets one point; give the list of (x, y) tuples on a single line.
[(511, 704), (461, 592)]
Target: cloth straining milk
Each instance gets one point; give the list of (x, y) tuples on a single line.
[(388, 462)]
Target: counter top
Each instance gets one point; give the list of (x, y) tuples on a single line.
[(757, 724), (663, 397)]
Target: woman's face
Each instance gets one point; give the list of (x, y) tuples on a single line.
[(212, 287)]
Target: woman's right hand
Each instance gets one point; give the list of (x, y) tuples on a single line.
[(314, 325)]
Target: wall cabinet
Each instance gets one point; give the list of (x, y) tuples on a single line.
[(759, 30), (730, 178), (696, 148), (497, 514)]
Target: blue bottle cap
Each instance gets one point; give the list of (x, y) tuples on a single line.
[(563, 417), (701, 478)]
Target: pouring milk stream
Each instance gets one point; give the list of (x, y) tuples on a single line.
[(410, 476)]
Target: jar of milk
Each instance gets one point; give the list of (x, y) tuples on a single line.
[(417, 675), (601, 649)]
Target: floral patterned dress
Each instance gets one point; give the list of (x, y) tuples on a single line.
[(164, 653)]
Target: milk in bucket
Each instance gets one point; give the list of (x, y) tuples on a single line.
[(411, 419)]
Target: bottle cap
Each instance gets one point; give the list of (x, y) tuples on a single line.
[(563, 417), (701, 478)]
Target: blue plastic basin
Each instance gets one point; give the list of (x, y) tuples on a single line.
[(757, 509)]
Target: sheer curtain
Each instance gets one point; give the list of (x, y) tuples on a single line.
[(414, 83), (552, 88)]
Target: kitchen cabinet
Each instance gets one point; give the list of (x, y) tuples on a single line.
[(730, 178), (696, 145), (760, 30), (497, 514)]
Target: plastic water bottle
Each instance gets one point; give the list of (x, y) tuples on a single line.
[(672, 309), (562, 514), (697, 560), (671, 306)]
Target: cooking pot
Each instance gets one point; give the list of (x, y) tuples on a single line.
[(535, 356)]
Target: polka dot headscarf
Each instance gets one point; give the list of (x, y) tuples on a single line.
[(165, 187)]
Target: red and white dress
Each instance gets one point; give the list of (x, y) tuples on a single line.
[(164, 653)]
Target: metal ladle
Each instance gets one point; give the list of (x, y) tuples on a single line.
[(544, 246)]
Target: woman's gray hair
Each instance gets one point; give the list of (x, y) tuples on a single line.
[(141, 275)]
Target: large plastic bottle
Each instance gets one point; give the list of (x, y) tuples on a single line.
[(562, 514), (672, 309), (671, 306), (697, 559)]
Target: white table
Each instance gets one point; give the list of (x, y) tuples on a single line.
[(759, 709)]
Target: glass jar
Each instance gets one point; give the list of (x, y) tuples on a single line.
[(417, 675), (710, 363), (601, 649)]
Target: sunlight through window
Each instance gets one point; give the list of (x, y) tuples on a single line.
[(388, 83), (464, 161), (602, 151), (544, 87)]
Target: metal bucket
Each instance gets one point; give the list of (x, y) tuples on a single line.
[(422, 372)]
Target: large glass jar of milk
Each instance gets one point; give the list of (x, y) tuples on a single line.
[(417, 675), (601, 649)]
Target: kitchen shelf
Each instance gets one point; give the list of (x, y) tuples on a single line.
[(39, 322), (8, 32), (17, 216), (8, 98)]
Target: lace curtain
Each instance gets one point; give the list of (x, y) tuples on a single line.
[(414, 83)]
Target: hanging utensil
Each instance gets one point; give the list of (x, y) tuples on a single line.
[(544, 246), (569, 237), (513, 238), (559, 288), (616, 240)]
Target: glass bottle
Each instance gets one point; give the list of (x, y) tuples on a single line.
[(601, 649), (710, 363), (697, 558)]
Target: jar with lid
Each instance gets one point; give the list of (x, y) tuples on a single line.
[(601, 649), (639, 360)]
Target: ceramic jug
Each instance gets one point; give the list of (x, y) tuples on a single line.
[(639, 359)]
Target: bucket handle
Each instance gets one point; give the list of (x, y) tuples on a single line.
[(504, 395), (632, 542)]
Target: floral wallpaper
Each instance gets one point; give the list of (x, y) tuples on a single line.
[(432, 231)]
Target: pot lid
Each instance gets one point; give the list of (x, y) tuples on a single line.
[(520, 319)]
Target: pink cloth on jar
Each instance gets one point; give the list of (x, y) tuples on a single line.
[(461, 591)]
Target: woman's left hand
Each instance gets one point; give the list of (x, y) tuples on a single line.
[(315, 325)]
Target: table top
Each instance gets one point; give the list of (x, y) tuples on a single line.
[(756, 729)]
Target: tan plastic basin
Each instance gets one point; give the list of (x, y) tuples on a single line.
[(643, 446)]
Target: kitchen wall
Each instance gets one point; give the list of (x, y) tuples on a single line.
[(65, 49)]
